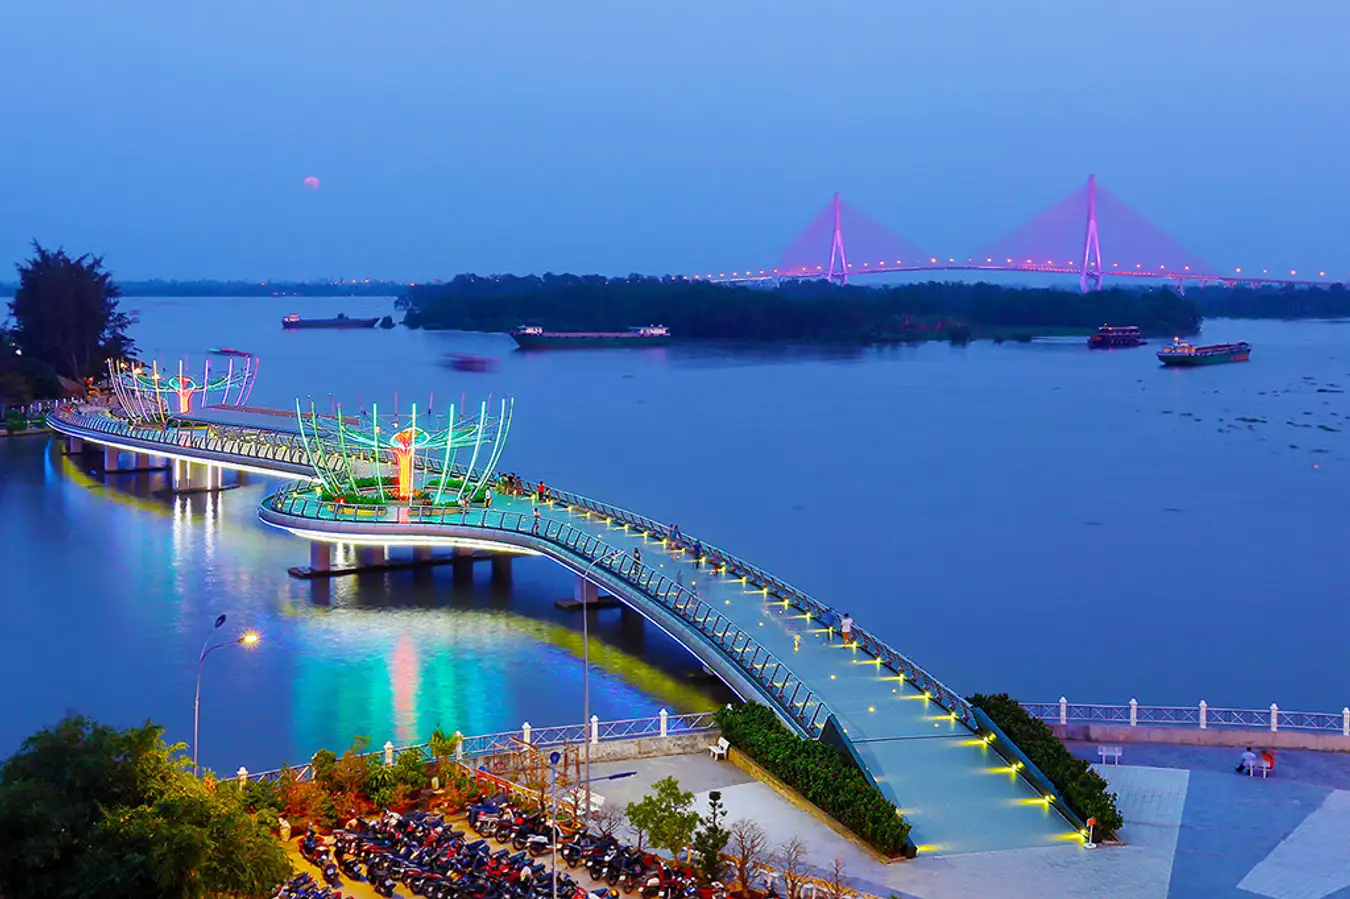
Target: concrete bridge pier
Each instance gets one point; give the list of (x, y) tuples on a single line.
[(194, 477), (421, 554), (74, 446), (370, 556), (461, 565), (501, 569), (111, 458), (584, 592), (320, 556)]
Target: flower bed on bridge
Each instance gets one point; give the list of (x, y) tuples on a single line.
[(1082, 788), (367, 493), (821, 773)]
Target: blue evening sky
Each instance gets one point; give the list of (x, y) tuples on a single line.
[(618, 135)]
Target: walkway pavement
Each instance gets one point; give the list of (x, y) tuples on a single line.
[(956, 792), (1201, 832)]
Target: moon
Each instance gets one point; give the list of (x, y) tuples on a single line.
[(312, 183)]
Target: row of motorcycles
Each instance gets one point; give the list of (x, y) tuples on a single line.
[(427, 856)]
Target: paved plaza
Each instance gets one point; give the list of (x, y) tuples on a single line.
[(1194, 830)]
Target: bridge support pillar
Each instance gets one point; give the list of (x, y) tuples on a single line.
[(584, 592), (111, 458), (74, 445), (141, 461), (193, 477), (501, 568), (422, 554), (320, 556), (369, 556)]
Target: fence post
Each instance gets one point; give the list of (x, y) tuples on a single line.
[(1204, 714), (1274, 717), (1063, 710), (1345, 721), (242, 775), (595, 729), (664, 716), (525, 732), (1134, 712), (388, 753), (459, 746)]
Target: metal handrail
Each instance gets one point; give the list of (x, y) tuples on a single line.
[(1201, 715), (728, 563), (480, 745), (793, 698)]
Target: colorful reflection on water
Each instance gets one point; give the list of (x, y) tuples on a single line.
[(132, 577)]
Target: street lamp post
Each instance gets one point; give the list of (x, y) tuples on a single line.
[(247, 639), (554, 757), (586, 669)]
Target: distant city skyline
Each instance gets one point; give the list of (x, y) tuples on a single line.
[(176, 141)]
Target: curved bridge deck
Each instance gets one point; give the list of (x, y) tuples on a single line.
[(913, 736)]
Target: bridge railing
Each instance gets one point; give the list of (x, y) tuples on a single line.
[(1200, 716), (479, 745), (778, 683), (727, 563)]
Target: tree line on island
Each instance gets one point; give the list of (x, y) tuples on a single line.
[(795, 311)]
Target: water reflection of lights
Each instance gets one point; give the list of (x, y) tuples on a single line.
[(398, 674)]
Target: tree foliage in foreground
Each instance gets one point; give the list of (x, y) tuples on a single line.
[(88, 810), (65, 313)]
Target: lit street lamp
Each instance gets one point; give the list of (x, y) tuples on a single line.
[(554, 757), (247, 639), (586, 667)]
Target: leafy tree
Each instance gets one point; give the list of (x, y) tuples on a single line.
[(65, 313), (666, 816), (711, 838), (87, 810)]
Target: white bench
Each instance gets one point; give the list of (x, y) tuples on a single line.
[(1110, 752), (1261, 765), (718, 750)]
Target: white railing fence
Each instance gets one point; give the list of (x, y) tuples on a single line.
[(1202, 715), (660, 725)]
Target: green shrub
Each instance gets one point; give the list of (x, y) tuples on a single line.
[(15, 421), (823, 774), (1084, 790)]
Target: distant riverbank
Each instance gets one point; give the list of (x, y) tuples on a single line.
[(802, 311)]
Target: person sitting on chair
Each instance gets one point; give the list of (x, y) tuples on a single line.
[(1245, 763)]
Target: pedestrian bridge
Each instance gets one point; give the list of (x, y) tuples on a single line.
[(920, 742)]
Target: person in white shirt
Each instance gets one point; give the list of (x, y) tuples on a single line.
[(1248, 760), (846, 627)]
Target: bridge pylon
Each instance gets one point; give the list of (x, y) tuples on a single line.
[(1091, 270), (838, 270)]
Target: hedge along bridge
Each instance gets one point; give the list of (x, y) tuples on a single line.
[(960, 783)]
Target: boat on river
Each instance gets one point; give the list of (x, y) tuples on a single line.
[(533, 337), (1109, 336), (1183, 353), (294, 322), (470, 362), (227, 351)]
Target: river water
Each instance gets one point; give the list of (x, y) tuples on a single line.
[(1034, 518)]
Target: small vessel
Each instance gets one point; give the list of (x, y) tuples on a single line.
[(1183, 353), (227, 351), (533, 337), (293, 321), (1108, 336), (470, 362)]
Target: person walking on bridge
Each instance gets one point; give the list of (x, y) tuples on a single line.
[(846, 628), (637, 561), (535, 529)]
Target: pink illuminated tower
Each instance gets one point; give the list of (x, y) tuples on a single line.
[(838, 264), (1092, 250)]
